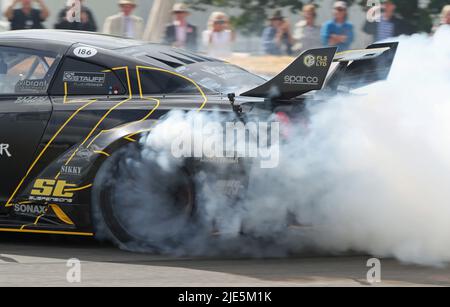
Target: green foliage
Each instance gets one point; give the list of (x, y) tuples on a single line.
[(437, 5)]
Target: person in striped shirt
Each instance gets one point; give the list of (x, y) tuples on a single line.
[(389, 25)]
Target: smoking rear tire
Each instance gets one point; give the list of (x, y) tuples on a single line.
[(139, 204)]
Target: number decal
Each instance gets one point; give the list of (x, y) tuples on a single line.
[(85, 52)]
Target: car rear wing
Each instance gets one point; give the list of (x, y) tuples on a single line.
[(360, 68), (310, 71), (307, 73)]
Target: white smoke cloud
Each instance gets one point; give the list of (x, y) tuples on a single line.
[(372, 175)]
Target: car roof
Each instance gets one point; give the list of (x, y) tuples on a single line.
[(123, 49), (67, 38)]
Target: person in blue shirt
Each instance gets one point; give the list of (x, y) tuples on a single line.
[(338, 32)]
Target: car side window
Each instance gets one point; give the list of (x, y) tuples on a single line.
[(159, 82), (78, 77), (25, 71)]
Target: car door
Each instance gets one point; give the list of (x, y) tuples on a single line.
[(25, 110)]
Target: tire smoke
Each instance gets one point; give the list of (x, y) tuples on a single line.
[(372, 175)]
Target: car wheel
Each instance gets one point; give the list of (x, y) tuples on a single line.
[(140, 203)]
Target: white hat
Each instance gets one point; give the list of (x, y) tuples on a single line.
[(340, 4), (180, 7), (124, 2)]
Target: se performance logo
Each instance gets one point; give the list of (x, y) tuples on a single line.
[(52, 190)]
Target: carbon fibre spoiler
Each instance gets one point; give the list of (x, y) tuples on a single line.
[(307, 73), (310, 71), (360, 68)]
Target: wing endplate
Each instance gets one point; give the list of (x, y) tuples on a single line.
[(363, 67), (307, 73)]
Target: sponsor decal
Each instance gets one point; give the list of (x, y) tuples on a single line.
[(71, 170), (31, 100), (85, 52), (50, 199), (31, 85), (51, 190), (322, 61), (84, 79), (85, 154), (30, 209), (317, 61), (309, 60), (301, 80), (4, 150)]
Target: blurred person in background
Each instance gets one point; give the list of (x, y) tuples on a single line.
[(445, 16), (180, 33), (307, 32), (125, 24), (444, 20), (219, 38), (27, 17), (86, 23), (338, 32), (389, 25), (277, 37)]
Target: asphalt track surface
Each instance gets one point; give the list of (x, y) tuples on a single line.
[(34, 260)]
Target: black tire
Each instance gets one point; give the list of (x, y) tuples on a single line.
[(157, 209)]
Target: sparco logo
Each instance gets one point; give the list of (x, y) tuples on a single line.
[(301, 80), (30, 209), (84, 77)]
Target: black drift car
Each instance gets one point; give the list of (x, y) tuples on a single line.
[(71, 101)]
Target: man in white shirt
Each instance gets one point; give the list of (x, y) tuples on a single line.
[(125, 24), (181, 33), (307, 32)]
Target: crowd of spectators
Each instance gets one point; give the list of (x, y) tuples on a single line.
[(278, 37)]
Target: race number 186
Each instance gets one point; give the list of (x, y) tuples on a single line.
[(85, 52)]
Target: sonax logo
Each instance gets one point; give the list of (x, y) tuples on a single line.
[(30, 209)]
